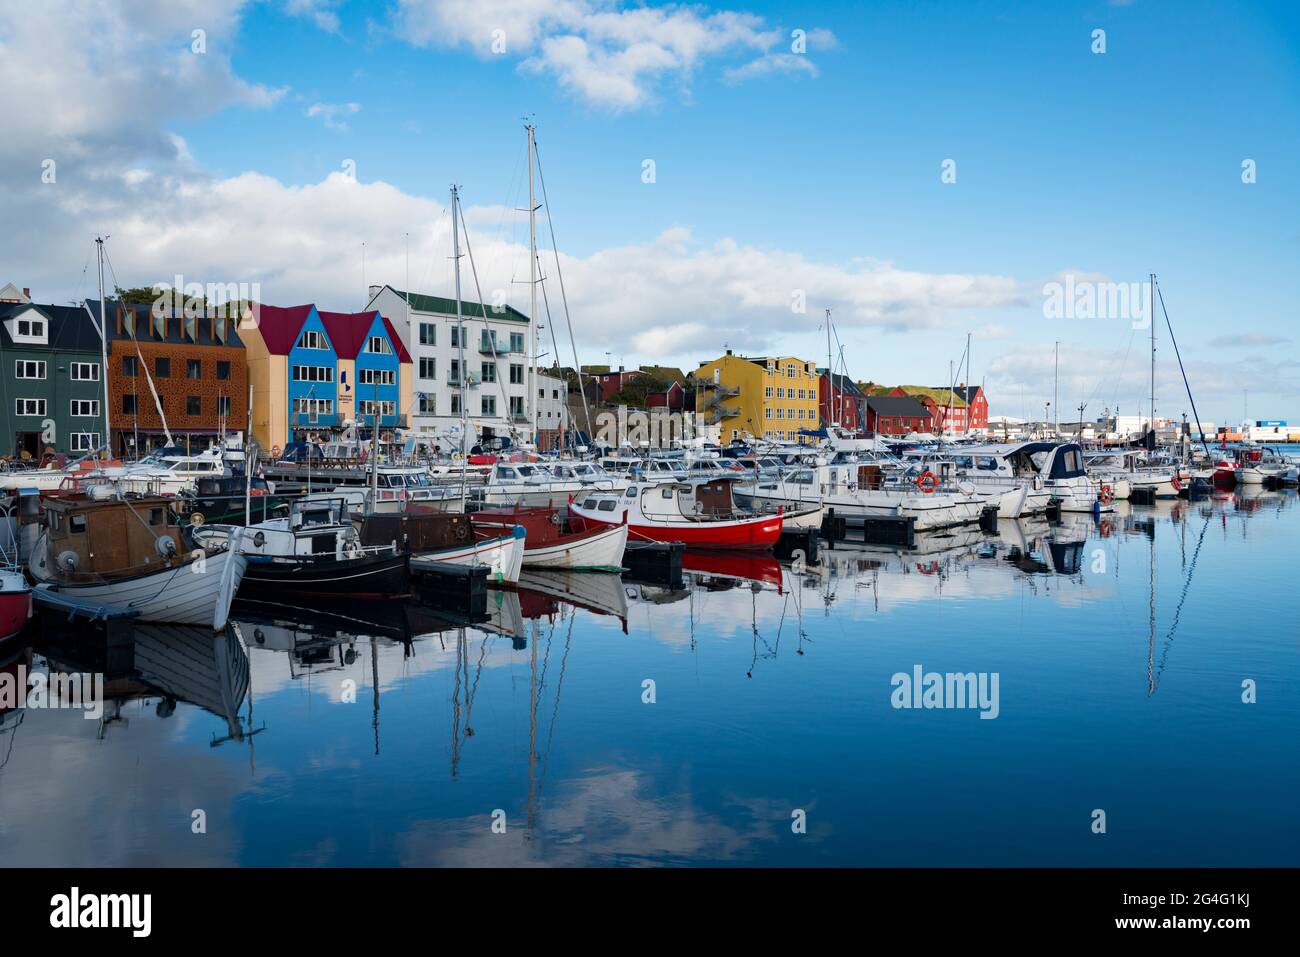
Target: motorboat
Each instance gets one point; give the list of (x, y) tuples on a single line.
[(1125, 471), (15, 602), (559, 538), (106, 549), (676, 512), (315, 551)]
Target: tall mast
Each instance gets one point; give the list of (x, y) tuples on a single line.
[(1153, 352), (830, 373), (103, 342), (460, 330), (1056, 386), (532, 289), (966, 396)]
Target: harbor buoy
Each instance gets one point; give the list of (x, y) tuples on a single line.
[(927, 482)]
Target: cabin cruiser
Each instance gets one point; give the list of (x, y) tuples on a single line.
[(1259, 464), (1016, 477), (315, 551), (1124, 470), (590, 474), (858, 492), (526, 483), (171, 470), (107, 549)]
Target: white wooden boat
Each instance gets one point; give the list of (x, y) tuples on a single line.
[(502, 554)]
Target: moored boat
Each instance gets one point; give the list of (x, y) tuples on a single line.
[(658, 513), (558, 538), (133, 553)]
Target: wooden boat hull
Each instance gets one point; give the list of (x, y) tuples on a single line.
[(598, 550), (186, 594), (370, 576), (759, 534)]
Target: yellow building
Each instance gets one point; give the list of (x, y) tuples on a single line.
[(766, 397)]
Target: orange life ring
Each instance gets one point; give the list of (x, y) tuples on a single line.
[(1106, 528), (1107, 496), (927, 482)]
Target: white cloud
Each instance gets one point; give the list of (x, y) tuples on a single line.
[(99, 79), (320, 12), (331, 114), (768, 63), (606, 53)]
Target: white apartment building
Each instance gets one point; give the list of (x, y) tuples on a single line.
[(492, 383)]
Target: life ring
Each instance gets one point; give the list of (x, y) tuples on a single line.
[(1107, 496), (1106, 528), (927, 482), (557, 518)]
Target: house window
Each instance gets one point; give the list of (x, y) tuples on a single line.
[(489, 406), (428, 367), (193, 405), (780, 413), (129, 403), (84, 407), (85, 371), (516, 374), (767, 392), (767, 413), (428, 334), (455, 405), (428, 404), (193, 368), (223, 405), (313, 407), (455, 337), (313, 373), (29, 369), (311, 339), (516, 405), (377, 407), (516, 342), (780, 392), (489, 371), (223, 370), (130, 366), (378, 345), (162, 368), (84, 441), (31, 328), (790, 371), (378, 376), (29, 406)]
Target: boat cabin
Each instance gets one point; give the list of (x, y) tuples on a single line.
[(89, 540)]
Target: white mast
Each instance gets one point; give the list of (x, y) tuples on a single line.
[(532, 308), (1056, 386), (1153, 353), (103, 341), (460, 336)]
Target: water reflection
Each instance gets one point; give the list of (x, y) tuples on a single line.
[(767, 695)]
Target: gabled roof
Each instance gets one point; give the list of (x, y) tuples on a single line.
[(842, 383), (280, 325), (447, 307), (69, 327), (939, 393), (665, 373), (398, 346), (897, 405), (346, 330)]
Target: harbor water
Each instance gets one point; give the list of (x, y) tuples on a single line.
[(1135, 700)]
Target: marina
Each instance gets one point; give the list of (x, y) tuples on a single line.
[(771, 691)]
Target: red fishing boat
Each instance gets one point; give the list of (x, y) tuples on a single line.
[(558, 538), (15, 603), (682, 512)]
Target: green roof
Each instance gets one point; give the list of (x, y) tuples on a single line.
[(665, 373), (940, 394), (469, 310)]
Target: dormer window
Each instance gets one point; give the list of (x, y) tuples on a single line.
[(379, 345), (29, 328), (311, 339)]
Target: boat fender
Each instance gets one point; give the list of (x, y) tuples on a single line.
[(259, 539), (1177, 484), (1038, 483)]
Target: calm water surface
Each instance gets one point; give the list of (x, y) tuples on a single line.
[(385, 735)]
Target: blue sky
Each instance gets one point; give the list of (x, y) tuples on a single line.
[(1109, 165)]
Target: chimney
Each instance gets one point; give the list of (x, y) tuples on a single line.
[(728, 352), (27, 292)]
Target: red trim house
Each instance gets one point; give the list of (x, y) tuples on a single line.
[(897, 415)]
